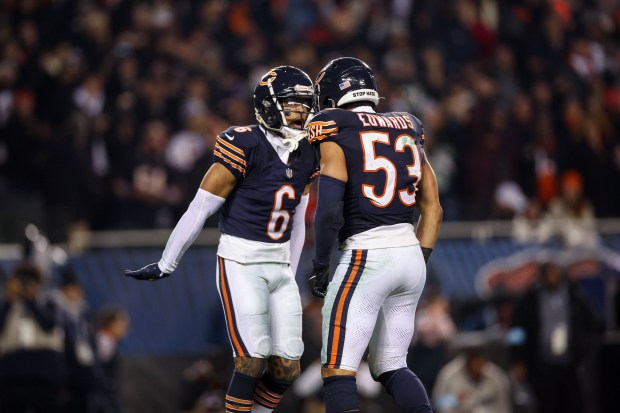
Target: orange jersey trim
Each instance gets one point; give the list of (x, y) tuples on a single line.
[(230, 146), (231, 163), (319, 130), (230, 155)]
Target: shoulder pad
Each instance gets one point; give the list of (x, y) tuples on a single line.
[(321, 126), (233, 146), (415, 123), (240, 136), (419, 127)]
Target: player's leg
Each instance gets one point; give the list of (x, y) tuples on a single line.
[(287, 345), (393, 332), (245, 378), (351, 305), (275, 381), (244, 296)]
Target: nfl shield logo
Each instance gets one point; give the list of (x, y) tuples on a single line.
[(344, 85), (289, 173)]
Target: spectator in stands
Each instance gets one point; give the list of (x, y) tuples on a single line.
[(433, 329), (31, 345), (145, 185), (558, 331), (571, 215), (529, 226), (204, 388), (523, 398), (121, 65), (79, 342), (472, 384), (113, 327), (593, 156)]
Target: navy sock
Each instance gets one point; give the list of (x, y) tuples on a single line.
[(240, 394), (407, 391), (268, 393), (340, 394)]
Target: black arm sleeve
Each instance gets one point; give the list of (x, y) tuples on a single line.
[(328, 218)]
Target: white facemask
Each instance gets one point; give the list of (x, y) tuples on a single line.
[(292, 137)]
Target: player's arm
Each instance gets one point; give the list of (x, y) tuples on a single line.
[(218, 181), (430, 211), (328, 217), (333, 163), (298, 232), (215, 187)]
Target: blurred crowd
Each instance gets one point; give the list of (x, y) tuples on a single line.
[(109, 108), (539, 351), (56, 354)]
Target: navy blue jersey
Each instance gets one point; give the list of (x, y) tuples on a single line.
[(385, 159), (261, 206)]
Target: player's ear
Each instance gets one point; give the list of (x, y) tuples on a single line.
[(331, 103)]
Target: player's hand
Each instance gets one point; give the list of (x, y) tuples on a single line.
[(150, 272), (319, 279)]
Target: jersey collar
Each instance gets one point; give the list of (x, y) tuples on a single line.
[(277, 144), (363, 109)]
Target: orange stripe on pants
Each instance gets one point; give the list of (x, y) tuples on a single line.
[(228, 310), (340, 308)]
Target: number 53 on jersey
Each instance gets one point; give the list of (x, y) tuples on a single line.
[(399, 182)]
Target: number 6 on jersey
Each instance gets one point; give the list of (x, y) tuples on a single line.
[(275, 231)]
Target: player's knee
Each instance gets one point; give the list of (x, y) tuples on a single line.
[(382, 376), (385, 362), (385, 377), (251, 366), (291, 348), (283, 369)]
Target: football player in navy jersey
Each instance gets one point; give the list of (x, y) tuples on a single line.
[(259, 182), (373, 172)]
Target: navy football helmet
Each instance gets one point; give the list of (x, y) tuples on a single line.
[(345, 80), (282, 84)]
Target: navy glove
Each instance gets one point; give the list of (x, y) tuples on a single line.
[(151, 273), (319, 279)]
